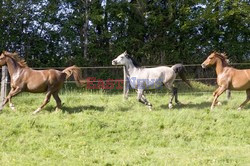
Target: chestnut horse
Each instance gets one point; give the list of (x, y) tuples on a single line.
[(228, 78), (25, 79)]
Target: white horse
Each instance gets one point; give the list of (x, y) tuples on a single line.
[(150, 78)]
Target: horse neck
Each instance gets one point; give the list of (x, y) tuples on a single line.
[(219, 66), (13, 66), (130, 68)]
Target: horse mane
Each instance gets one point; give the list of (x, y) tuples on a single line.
[(15, 56), (136, 64), (223, 57)]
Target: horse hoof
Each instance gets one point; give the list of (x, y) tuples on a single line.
[(211, 108), (12, 107), (219, 103), (36, 111), (170, 105), (239, 108), (150, 108), (179, 103), (58, 110)]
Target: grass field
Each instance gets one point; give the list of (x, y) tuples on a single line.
[(103, 129)]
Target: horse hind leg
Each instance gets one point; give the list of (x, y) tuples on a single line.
[(247, 99), (58, 101), (46, 101)]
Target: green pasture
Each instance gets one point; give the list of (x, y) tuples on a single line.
[(100, 128)]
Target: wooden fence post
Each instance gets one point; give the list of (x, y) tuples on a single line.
[(124, 83), (4, 82)]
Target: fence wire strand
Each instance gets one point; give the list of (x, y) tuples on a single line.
[(121, 80)]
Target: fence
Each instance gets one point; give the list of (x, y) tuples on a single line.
[(4, 81), (195, 73)]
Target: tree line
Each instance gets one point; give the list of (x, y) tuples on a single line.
[(93, 32)]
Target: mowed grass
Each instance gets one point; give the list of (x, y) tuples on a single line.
[(103, 129)]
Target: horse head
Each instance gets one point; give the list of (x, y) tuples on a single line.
[(122, 59), (3, 58), (212, 59), (14, 56)]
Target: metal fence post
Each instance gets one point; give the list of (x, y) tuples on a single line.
[(4, 82), (124, 82)]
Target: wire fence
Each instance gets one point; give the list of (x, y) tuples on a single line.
[(115, 67), (101, 75)]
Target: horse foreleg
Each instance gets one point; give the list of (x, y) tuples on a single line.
[(228, 94), (13, 92), (139, 96), (141, 99), (146, 101), (8, 97), (219, 91), (126, 93), (171, 88), (46, 101), (214, 93), (247, 99), (58, 101), (175, 93)]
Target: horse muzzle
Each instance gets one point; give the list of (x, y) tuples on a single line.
[(203, 65), (114, 62)]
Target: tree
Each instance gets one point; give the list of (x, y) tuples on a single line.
[(87, 33)]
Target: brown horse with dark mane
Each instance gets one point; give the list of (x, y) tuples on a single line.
[(25, 79), (228, 78)]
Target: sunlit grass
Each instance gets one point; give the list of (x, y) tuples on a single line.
[(103, 129)]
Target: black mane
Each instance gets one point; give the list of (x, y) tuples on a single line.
[(136, 64)]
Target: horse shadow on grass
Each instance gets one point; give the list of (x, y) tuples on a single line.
[(77, 109), (202, 105)]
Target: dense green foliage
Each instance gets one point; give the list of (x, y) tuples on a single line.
[(101, 129), (51, 33)]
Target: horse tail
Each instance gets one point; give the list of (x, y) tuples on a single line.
[(76, 71), (181, 70)]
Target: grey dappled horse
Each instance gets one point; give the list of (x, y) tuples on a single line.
[(150, 78)]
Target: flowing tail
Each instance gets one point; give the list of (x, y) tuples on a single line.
[(180, 70), (76, 71)]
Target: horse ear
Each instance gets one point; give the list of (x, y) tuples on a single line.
[(224, 55), (125, 53), (15, 53)]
